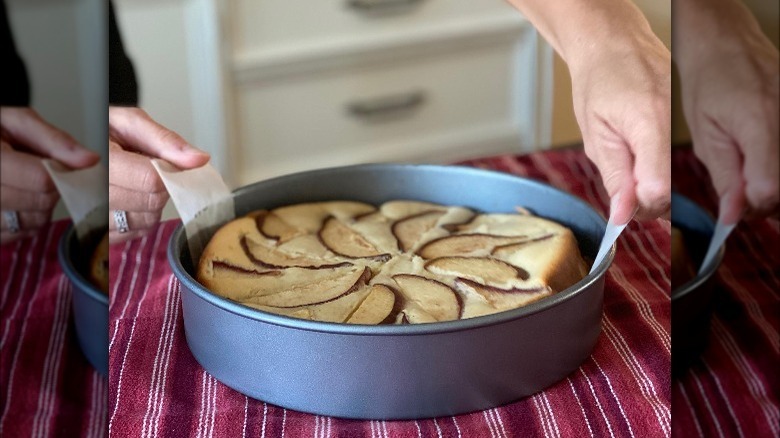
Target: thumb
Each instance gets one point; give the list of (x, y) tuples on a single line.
[(29, 130), (136, 131)]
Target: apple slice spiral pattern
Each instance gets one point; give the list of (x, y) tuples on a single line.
[(404, 262)]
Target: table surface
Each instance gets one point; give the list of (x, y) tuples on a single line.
[(624, 389)]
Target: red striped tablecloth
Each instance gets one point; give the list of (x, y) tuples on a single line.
[(158, 389), (47, 387), (732, 390)]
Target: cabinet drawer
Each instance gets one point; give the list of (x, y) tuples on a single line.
[(264, 24), (310, 115)]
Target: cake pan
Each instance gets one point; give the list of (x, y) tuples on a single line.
[(692, 301), (90, 305), (404, 371)]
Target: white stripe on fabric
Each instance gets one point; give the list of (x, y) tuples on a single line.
[(11, 274), (725, 398), (144, 294), (582, 408), (30, 301), (754, 383), (174, 321), (265, 415), (457, 427), (22, 299), (647, 388), (753, 307), (598, 403), (694, 417), (489, 423), (617, 400), (707, 404), (46, 392), (246, 414), (154, 384), (438, 429)]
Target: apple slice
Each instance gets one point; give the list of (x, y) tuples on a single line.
[(465, 245), (231, 281), (410, 229), (337, 310), (346, 242), (271, 226), (434, 297), (272, 258), (225, 246), (314, 292), (396, 210), (482, 269), (509, 249), (375, 308), (508, 224), (503, 299), (309, 217)]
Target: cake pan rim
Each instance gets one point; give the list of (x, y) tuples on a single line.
[(700, 279), (70, 271), (541, 305)]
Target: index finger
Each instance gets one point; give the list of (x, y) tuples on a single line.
[(28, 129), (134, 129)]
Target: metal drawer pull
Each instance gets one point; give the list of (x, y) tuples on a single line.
[(375, 5), (386, 104)]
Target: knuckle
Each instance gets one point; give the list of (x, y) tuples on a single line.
[(156, 201), (150, 182), (763, 196)]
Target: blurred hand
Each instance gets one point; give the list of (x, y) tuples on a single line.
[(729, 77), (134, 185), (25, 186)]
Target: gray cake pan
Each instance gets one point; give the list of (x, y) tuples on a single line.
[(90, 305), (409, 371), (692, 301)]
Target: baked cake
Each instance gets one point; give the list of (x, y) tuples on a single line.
[(98, 266), (404, 262)]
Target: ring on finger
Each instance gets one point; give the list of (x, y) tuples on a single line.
[(120, 218), (12, 221)]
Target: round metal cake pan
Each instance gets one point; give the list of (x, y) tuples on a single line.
[(399, 371), (692, 301), (90, 305)]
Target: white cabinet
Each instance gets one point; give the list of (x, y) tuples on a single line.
[(316, 83)]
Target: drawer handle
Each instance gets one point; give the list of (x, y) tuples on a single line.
[(386, 104), (376, 5)]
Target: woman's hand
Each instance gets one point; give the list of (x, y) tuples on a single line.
[(729, 77), (26, 190), (622, 101), (134, 186), (621, 83)]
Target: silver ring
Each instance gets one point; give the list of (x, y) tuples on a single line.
[(12, 220), (120, 218)]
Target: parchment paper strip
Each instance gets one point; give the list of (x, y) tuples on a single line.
[(85, 195), (201, 197)]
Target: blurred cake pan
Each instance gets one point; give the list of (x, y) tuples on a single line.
[(692, 301), (90, 305), (399, 371)]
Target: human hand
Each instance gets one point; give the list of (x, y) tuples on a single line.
[(25, 186), (621, 85), (729, 80), (622, 101), (134, 185)]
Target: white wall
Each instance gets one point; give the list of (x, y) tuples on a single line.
[(63, 44), (153, 32)]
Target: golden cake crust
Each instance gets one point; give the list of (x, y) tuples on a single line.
[(401, 262)]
